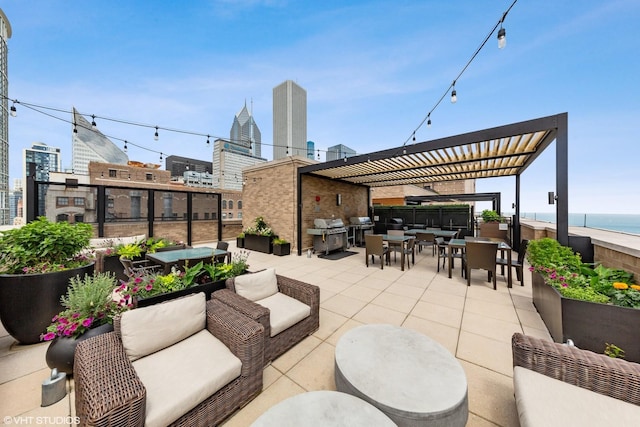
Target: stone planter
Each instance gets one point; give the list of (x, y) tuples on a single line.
[(590, 325), (61, 351), (282, 249), (258, 243), (28, 302), (207, 288)]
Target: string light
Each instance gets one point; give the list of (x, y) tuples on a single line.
[(14, 112), (208, 143), (125, 146), (160, 157), (93, 122), (156, 136), (75, 127), (454, 96)]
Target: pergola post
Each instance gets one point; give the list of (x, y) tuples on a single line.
[(562, 180)]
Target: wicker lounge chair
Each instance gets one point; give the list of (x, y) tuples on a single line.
[(560, 385), (277, 340), (109, 386)]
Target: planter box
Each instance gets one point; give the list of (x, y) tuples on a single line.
[(28, 302), (590, 325), (283, 249), (240, 242), (207, 288), (258, 243), (492, 229)]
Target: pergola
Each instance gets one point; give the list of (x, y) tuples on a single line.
[(496, 152)]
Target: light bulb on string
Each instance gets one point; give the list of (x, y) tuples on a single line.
[(502, 37), (318, 154), (93, 122), (208, 143), (454, 94), (125, 146), (75, 127), (429, 120), (14, 112), (156, 136), (160, 157)]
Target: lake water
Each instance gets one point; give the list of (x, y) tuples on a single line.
[(627, 223)]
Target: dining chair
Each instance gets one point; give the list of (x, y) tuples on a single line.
[(480, 255), (395, 247), (426, 239), (374, 246), (222, 246), (518, 263), (409, 250), (442, 251), (138, 268)]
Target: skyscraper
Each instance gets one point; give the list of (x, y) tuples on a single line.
[(46, 160), (339, 152), (244, 131), (91, 145), (289, 120), (5, 34), (229, 159), (311, 146)]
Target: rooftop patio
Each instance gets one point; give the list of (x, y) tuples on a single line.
[(474, 323)]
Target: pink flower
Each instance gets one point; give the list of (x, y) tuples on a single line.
[(531, 269), (564, 285), (135, 289), (48, 336), (75, 315), (66, 332), (137, 280), (553, 275), (148, 287), (87, 322)]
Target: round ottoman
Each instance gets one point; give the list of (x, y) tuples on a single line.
[(408, 376), (323, 409)]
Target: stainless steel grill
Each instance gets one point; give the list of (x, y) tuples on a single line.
[(329, 235), (357, 227)]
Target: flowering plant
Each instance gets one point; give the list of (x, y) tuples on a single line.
[(563, 269), (88, 304), (260, 228)]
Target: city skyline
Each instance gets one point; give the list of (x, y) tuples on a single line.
[(372, 71)]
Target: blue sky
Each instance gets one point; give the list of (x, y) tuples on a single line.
[(372, 71)]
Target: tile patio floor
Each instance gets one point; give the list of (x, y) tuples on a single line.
[(474, 323)]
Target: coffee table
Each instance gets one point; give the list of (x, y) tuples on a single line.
[(323, 409), (405, 374)]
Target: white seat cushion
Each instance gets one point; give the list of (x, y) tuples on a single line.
[(256, 286), (181, 376), (548, 402), (285, 311), (146, 330)]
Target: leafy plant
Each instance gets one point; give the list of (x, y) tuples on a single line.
[(614, 351), (130, 251), (260, 228), (279, 241), (88, 304), (42, 246), (563, 269), (489, 215), (241, 235)]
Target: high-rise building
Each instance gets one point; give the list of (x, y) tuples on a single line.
[(339, 152), (289, 120), (5, 34), (229, 159), (46, 160), (15, 202), (310, 149), (178, 165), (89, 144), (244, 131)]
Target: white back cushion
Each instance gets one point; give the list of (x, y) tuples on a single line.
[(257, 286), (146, 330)]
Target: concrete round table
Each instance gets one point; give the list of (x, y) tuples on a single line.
[(323, 409), (408, 376)]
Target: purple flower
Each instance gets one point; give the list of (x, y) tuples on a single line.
[(48, 336)]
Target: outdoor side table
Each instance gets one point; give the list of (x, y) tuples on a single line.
[(405, 374)]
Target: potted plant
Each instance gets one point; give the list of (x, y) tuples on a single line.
[(37, 261), (591, 306), (493, 225), (281, 247), (89, 309), (240, 240), (259, 237)]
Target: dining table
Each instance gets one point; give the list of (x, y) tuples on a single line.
[(461, 243), (390, 238), (168, 259), (448, 234)]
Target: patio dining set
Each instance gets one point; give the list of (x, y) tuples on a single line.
[(486, 253)]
